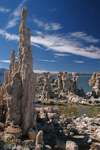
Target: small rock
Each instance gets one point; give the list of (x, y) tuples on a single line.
[(39, 147), (29, 143), (95, 146), (47, 147), (70, 145), (39, 138), (32, 134)]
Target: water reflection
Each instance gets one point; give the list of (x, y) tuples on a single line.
[(78, 110)]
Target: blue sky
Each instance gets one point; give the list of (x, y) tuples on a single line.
[(65, 34)]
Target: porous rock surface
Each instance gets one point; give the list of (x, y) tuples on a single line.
[(18, 90)]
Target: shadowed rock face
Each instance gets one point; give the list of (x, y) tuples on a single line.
[(20, 82), (47, 89)]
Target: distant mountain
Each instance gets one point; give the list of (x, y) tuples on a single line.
[(78, 74), (84, 74), (2, 70)]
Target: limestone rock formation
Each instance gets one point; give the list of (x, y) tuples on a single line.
[(66, 81), (60, 84), (25, 55), (47, 90), (11, 66), (3, 98), (95, 82), (74, 87), (93, 79), (66, 84), (19, 83), (42, 76)]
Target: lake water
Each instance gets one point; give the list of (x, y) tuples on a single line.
[(82, 82), (2, 79), (76, 109)]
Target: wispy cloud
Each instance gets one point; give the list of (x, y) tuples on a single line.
[(79, 62), (52, 10), (46, 60), (9, 36), (38, 32), (5, 61), (47, 25), (60, 54), (59, 43), (5, 10), (15, 16), (85, 37), (64, 44), (41, 71)]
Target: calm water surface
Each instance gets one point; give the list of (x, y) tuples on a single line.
[(2, 79), (83, 82), (76, 109)]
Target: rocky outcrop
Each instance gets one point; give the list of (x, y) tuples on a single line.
[(19, 83), (93, 79), (41, 77), (3, 98), (95, 82), (60, 84), (66, 81), (11, 66), (60, 88), (25, 55), (47, 89), (74, 86), (65, 84)]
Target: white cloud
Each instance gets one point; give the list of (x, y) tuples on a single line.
[(60, 54), (85, 37), (9, 36), (5, 61), (52, 10), (65, 44), (38, 32), (15, 16), (41, 71), (79, 62), (5, 10), (47, 25), (52, 61), (46, 60), (59, 43)]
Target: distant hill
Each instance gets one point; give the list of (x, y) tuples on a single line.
[(84, 74), (2, 70), (78, 74)]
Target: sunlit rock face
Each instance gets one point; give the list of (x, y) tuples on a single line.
[(25, 54), (95, 82), (19, 82), (65, 84)]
